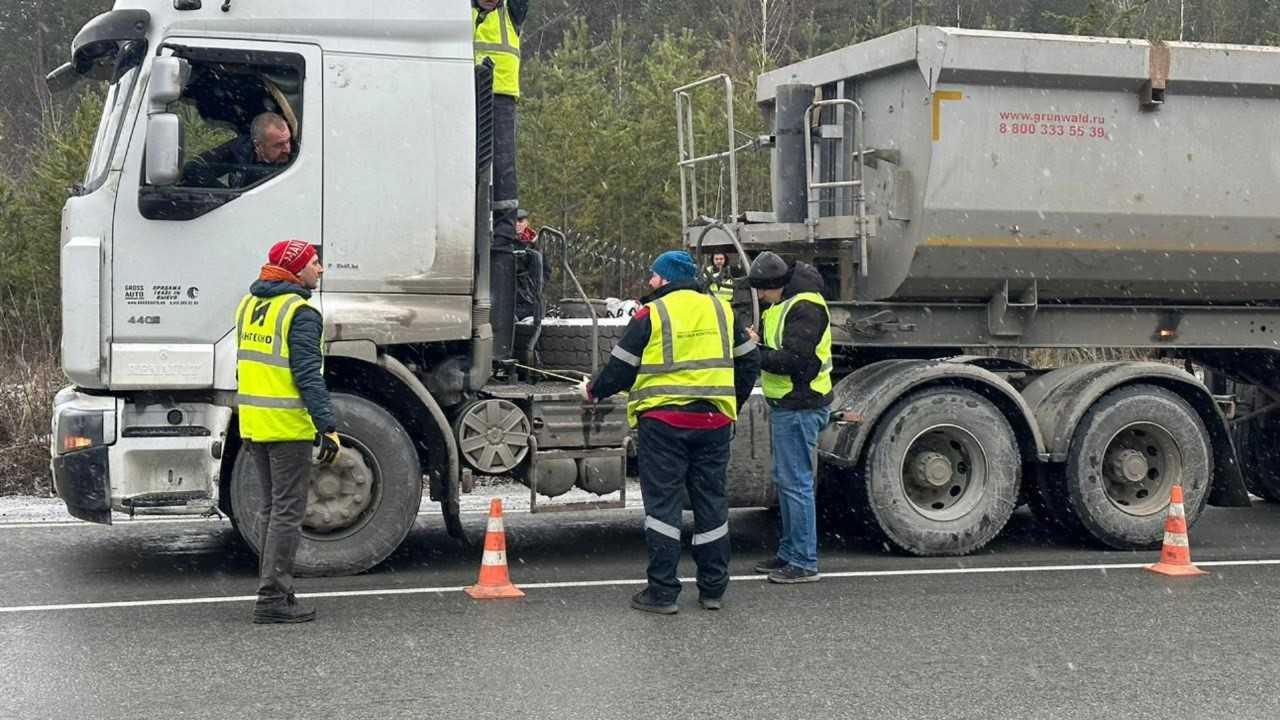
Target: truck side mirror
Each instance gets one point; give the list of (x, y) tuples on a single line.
[(164, 148), (164, 129), (168, 78)]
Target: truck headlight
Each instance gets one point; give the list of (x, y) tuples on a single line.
[(79, 429)]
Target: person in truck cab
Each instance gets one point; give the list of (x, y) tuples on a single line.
[(245, 160), (284, 410), (687, 367)]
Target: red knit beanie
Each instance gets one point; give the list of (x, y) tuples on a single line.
[(292, 255)]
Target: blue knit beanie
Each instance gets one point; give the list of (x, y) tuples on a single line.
[(675, 265)]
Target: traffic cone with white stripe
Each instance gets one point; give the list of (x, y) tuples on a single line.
[(1175, 555), (494, 582)]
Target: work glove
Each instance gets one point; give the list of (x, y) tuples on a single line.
[(329, 446), (584, 389)]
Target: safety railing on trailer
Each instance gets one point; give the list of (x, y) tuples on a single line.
[(689, 160), (855, 182)]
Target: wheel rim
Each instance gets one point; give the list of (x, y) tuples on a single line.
[(342, 496), (1140, 466), (493, 436), (944, 472)]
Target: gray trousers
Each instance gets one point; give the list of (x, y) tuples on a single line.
[(284, 471)]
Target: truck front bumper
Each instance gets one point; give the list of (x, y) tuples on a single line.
[(83, 480)]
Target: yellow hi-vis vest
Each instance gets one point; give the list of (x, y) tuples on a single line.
[(774, 320), (720, 285), (496, 38), (270, 406), (689, 356)]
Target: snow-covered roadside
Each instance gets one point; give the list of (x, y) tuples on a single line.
[(515, 498)]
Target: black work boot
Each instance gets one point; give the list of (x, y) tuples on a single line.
[(288, 610), (645, 602), (767, 566)]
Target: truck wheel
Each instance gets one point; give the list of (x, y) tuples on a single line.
[(1126, 454), (1258, 443), (360, 508), (568, 347), (941, 475)]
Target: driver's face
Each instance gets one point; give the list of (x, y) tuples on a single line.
[(274, 149)]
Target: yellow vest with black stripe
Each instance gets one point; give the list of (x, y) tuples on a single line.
[(774, 320), (720, 285), (496, 38), (689, 356), (269, 405)]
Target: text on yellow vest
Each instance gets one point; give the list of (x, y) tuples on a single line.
[(689, 356), (774, 320), (496, 38), (269, 405)]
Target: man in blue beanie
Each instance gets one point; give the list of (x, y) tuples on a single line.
[(688, 368)]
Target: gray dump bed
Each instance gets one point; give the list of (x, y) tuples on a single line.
[(1047, 157)]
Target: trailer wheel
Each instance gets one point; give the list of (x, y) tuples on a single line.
[(1258, 443), (360, 508), (1126, 454), (941, 475)]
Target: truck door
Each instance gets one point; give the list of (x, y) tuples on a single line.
[(184, 254)]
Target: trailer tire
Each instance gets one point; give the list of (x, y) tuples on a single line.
[(1258, 444), (941, 474), (376, 447), (1125, 455), (568, 347)]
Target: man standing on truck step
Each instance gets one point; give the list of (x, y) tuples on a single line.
[(281, 401), (689, 368), (795, 358), (497, 37)]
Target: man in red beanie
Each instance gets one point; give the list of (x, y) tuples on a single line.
[(284, 410)]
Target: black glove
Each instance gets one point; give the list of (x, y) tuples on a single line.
[(329, 446)]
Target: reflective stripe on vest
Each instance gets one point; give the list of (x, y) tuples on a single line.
[(720, 285), (774, 320), (689, 356), (496, 38), (270, 408)]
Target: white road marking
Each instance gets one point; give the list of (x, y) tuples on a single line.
[(621, 582)]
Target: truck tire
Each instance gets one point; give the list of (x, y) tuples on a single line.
[(1126, 454), (377, 455), (941, 474), (1258, 444), (568, 347)]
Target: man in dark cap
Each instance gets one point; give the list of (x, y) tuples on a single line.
[(688, 368), (795, 359)]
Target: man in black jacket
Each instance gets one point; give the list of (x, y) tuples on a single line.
[(688, 367), (795, 356), (284, 410)]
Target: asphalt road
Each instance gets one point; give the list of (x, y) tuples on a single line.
[(1030, 628)]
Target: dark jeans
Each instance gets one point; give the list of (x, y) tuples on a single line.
[(530, 282), (284, 470), (672, 459), (506, 190)]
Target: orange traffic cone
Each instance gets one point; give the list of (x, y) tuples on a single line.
[(1175, 555), (494, 581)]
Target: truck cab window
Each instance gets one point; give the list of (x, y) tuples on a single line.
[(242, 115)]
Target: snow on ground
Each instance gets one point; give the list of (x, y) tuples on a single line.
[(515, 498)]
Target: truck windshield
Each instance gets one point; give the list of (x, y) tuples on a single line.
[(113, 111)]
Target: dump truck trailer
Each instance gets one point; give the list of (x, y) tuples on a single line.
[(971, 196), (938, 229)]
